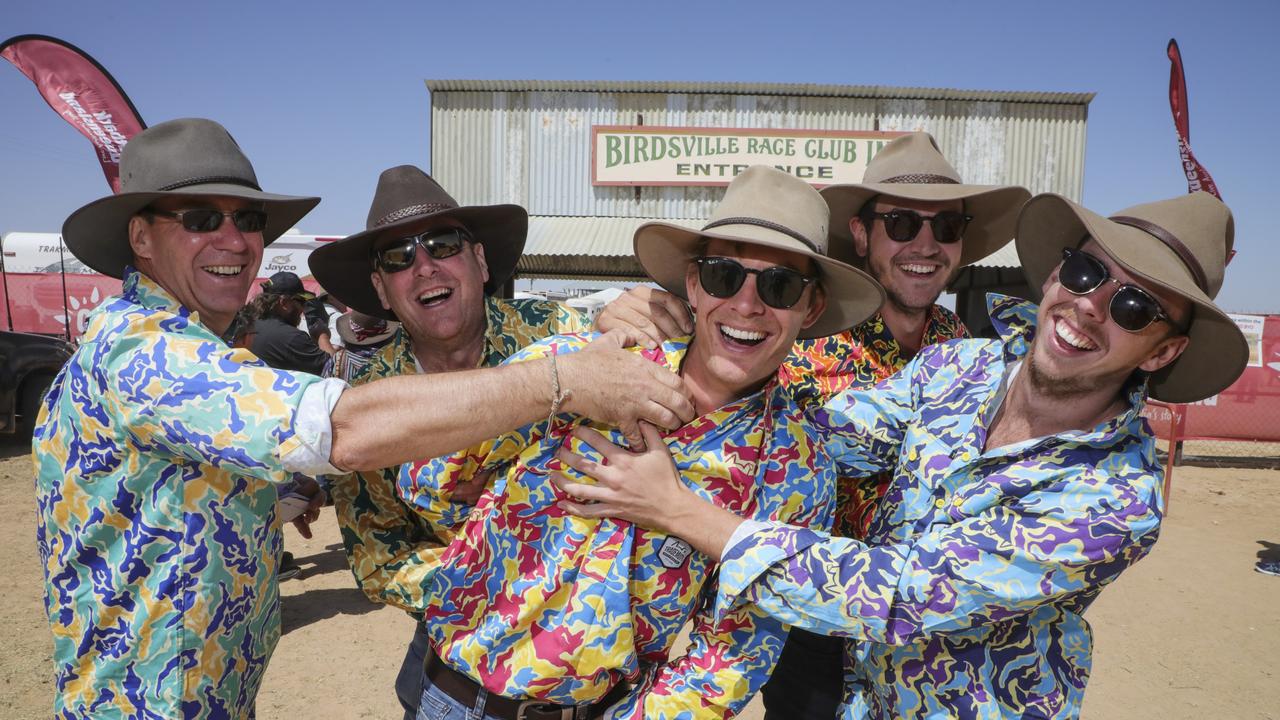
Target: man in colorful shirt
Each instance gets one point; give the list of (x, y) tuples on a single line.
[(536, 614), (158, 448), (912, 224), (433, 267), (1025, 479)]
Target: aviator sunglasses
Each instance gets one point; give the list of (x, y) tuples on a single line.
[(1131, 308), (903, 225), (439, 244), (203, 220), (778, 287)]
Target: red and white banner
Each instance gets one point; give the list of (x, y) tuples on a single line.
[(1197, 177), (82, 92)]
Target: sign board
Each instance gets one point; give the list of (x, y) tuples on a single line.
[(674, 156)]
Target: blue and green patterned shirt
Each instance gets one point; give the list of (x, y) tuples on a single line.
[(967, 598), (155, 455)]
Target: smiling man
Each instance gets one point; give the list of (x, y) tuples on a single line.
[(158, 449), (536, 614), (1025, 478), (435, 267)]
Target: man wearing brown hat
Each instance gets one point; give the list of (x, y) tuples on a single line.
[(1025, 478), (434, 266), (535, 614), (158, 448), (912, 224)]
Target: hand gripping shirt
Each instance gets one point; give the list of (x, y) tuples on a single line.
[(818, 369), (389, 547), (967, 599), (532, 602), (155, 454)]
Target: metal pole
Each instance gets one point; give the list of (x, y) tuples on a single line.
[(62, 265)]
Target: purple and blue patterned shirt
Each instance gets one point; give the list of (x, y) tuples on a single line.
[(967, 598)]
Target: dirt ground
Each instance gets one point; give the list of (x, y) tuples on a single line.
[(1190, 632)]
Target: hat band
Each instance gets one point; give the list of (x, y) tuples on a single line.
[(402, 213), (922, 179), (764, 224), (208, 179), (1174, 244)]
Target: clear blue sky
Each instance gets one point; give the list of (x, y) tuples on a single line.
[(324, 95)]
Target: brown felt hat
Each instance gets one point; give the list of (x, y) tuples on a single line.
[(191, 157), (407, 202), (1180, 245), (913, 168), (770, 208)]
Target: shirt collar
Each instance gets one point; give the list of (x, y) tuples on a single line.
[(142, 290)]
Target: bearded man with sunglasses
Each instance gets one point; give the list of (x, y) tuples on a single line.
[(535, 614), (1024, 477), (434, 266), (158, 449)]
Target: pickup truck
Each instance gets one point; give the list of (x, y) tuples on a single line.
[(28, 363)]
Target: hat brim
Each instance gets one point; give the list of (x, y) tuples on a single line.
[(665, 250), (994, 209), (344, 267), (98, 233), (1217, 351), (348, 336)]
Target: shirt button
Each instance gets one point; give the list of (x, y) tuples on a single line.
[(940, 503)]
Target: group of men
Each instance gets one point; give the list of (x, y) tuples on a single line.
[(789, 446)]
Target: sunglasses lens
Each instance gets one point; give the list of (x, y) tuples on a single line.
[(250, 221), (901, 226), (948, 226), (201, 220), (397, 257), (721, 277), (444, 245), (780, 287), (1132, 309), (1080, 273)]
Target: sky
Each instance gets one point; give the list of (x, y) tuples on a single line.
[(324, 95)]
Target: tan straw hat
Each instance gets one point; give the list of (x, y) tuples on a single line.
[(1180, 245), (913, 168), (767, 207)]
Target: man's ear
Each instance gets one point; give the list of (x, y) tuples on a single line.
[(478, 250), (859, 232), (1166, 352), (376, 278), (691, 284), (141, 239), (817, 305)]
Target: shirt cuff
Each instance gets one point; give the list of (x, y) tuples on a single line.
[(313, 429), (745, 529)]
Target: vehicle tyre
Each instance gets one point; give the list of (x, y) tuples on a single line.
[(33, 392)]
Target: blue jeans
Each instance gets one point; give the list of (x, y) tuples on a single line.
[(436, 705), (409, 679)]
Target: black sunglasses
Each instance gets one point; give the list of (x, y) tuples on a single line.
[(904, 225), (439, 244), (203, 220), (777, 286), (1131, 308)]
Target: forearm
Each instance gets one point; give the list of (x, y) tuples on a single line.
[(396, 420), (698, 522)]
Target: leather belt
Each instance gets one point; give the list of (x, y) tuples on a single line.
[(465, 690)]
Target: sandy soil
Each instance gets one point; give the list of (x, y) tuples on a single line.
[(1191, 632)]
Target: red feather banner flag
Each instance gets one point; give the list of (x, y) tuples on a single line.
[(82, 92), (1197, 177)]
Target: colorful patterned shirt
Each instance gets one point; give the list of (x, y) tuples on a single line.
[(155, 457), (821, 368), (967, 600), (533, 602), (390, 548)]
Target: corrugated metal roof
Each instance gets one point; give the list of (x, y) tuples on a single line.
[(742, 88), (1006, 256)]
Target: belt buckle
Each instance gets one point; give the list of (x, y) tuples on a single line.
[(567, 712)]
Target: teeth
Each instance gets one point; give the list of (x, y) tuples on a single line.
[(919, 269), (1072, 339), (430, 295), (744, 335), (226, 270)]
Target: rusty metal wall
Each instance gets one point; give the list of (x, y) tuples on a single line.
[(532, 145)]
